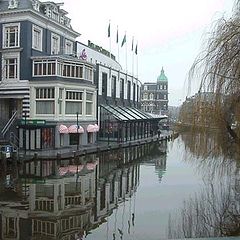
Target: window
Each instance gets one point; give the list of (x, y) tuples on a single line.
[(151, 96), (137, 93), (134, 92), (73, 102), (37, 38), (45, 100), (165, 96), (161, 87), (88, 73), (10, 67), (129, 90), (121, 88), (44, 68), (145, 88), (60, 99), (68, 47), (89, 103), (104, 84), (114, 79), (54, 67), (55, 44), (11, 35), (145, 96)]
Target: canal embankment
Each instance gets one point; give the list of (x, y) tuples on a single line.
[(81, 150)]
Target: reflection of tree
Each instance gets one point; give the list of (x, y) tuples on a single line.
[(213, 212), (210, 152)]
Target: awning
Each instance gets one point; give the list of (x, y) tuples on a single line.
[(70, 169), (97, 127), (91, 165), (92, 128), (63, 129), (75, 129)]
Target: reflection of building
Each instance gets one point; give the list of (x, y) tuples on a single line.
[(154, 98), (68, 198)]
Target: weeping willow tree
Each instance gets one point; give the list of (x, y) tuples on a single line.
[(218, 68)]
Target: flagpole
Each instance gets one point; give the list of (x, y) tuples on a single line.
[(109, 35), (118, 45), (132, 57), (126, 52), (136, 58)]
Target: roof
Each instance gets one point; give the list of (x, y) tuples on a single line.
[(129, 114), (162, 76)]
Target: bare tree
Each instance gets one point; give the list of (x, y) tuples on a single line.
[(218, 67)]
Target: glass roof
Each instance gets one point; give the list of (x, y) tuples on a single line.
[(126, 113), (116, 114)]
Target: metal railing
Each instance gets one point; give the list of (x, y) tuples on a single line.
[(14, 141), (9, 124)]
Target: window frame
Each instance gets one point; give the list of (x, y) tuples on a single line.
[(6, 44), (68, 44), (38, 29), (89, 101), (54, 37), (44, 96), (5, 57)]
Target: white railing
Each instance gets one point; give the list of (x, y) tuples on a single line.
[(9, 124)]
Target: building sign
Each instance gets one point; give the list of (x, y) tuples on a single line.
[(83, 55), (35, 122), (32, 180), (100, 49)]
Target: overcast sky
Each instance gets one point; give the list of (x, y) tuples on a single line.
[(169, 33)]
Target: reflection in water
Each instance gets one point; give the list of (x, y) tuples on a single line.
[(67, 199), (215, 211)]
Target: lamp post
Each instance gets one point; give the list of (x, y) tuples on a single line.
[(77, 132), (25, 133)]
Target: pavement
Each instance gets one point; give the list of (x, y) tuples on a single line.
[(66, 152)]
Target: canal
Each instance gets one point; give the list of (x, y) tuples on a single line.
[(175, 189)]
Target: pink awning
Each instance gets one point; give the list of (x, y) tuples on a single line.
[(73, 129), (63, 129), (91, 166), (92, 128), (70, 169), (97, 127)]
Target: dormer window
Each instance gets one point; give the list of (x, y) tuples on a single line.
[(55, 44), (55, 15), (68, 47), (36, 5), (12, 4)]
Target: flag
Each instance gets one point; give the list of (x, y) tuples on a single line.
[(109, 30), (136, 49), (132, 43), (124, 40), (117, 37)]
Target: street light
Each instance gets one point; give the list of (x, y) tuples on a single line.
[(77, 132), (25, 133)]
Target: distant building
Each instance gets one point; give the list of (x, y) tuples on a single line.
[(154, 95)]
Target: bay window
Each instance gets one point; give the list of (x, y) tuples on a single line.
[(45, 100), (74, 102), (89, 103)]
